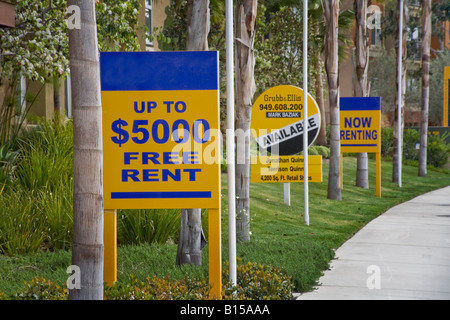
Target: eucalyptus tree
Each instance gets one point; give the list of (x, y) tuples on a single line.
[(400, 105), (331, 16), (191, 239), (245, 23), (361, 84), (426, 41)]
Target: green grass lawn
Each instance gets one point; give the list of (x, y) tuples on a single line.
[(279, 236)]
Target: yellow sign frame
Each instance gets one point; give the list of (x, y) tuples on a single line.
[(161, 142), (446, 104), (360, 130)]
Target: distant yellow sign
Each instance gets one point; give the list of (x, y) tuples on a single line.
[(360, 130), (285, 168), (360, 124)]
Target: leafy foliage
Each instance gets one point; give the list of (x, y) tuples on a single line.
[(260, 282), (255, 282), (42, 289), (38, 46)]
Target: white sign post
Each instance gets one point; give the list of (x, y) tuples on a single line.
[(399, 93), (305, 108), (230, 143)]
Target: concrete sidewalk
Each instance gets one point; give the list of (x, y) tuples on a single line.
[(402, 254)]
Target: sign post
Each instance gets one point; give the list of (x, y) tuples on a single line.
[(161, 140), (360, 125)]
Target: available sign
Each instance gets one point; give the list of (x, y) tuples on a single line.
[(285, 169), (360, 124), (160, 127), (277, 120)]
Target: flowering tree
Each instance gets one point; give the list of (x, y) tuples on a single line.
[(37, 48)]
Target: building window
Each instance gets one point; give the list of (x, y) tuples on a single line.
[(149, 21)]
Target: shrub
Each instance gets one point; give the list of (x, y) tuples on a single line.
[(41, 289), (147, 225), (8, 158), (323, 151), (22, 228), (259, 282), (438, 151), (255, 282), (387, 141), (154, 288), (3, 296), (411, 138)]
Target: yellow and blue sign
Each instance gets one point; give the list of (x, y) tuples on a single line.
[(360, 124), (160, 129)]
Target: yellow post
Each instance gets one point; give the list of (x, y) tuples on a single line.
[(342, 170), (215, 253), (110, 246), (446, 96), (378, 174)]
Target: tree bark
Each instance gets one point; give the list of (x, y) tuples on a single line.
[(245, 89), (192, 239), (331, 15), (87, 248), (322, 136), (360, 81), (398, 136), (426, 39)]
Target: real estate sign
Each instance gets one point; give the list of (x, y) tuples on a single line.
[(360, 124), (160, 127), (277, 120), (161, 141), (360, 129)]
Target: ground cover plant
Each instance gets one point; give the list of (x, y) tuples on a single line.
[(35, 228)]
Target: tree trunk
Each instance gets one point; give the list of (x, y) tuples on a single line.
[(331, 15), (192, 239), (245, 89), (360, 82), (398, 136), (87, 248), (322, 136), (426, 38)]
